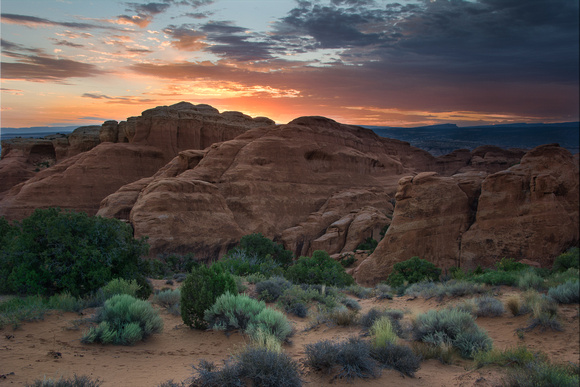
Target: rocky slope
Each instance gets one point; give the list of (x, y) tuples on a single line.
[(529, 211), (196, 180), (95, 162)]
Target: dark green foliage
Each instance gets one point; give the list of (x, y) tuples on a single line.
[(510, 264), (570, 258), (269, 290), (261, 367), (241, 263), (318, 269), (347, 261), (350, 358), (15, 310), (54, 251), (75, 381), (124, 320), (413, 270), (368, 244), (200, 290), (262, 247), (145, 287), (540, 373), (497, 277), (397, 357), (170, 264)]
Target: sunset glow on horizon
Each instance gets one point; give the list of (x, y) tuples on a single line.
[(367, 62)]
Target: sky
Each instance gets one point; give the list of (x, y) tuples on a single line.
[(366, 62)]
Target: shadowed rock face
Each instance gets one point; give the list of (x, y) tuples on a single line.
[(529, 211), (86, 172)]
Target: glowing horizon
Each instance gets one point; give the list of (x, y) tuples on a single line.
[(366, 62)]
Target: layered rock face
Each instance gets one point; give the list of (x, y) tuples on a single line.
[(94, 162), (289, 182), (529, 211)]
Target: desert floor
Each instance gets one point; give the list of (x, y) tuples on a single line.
[(51, 348)]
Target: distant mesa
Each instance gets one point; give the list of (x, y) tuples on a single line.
[(193, 179)]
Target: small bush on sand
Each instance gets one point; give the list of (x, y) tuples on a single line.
[(383, 291), (544, 311), (383, 333), (515, 306), (541, 373), (350, 303), (318, 269), (350, 359), (232, 312), (517, 356), (200, 290), (124, 320), (359, 291), (397, 357), (74, 381), (453, 327), (443, 352), (120, 286), (485, 306), (66, 302), (16, 310), (259, 366), (413, 270), (368, 319), (269, 290), (567, 293), (528, 279), (169, 299)]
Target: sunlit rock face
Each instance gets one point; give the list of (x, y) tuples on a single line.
[(94, 162), (528, 211)]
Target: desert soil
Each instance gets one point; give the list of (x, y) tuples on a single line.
[(51, 348)]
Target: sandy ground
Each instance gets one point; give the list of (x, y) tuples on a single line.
[(52, 348)]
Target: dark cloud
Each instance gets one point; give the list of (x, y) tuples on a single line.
[(116, 100), (43, 68), (33, 21), (186, 37), (67, 43)]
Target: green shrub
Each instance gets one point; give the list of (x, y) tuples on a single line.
[(230, 312), (350, 303), (368, 244), (74, 381), (241, 263), (558, 278), (397, 357), (259, 366), (16, 310), (485, 306), (496, 278), (383, 332), (510, 264), (269, 290), (528, 279), (54, 251), (169, 299), (518, 356), (120, 286), (413, 270), (350, 359), (66, 302), (359, 291), (318, 269), (567, 293), (170, 264), (124, 320), (368, 319), (452, 327), (262, 247), (569, 259), (451, 288), (541, 373), (200, 290), (383, 291), (347, 261)]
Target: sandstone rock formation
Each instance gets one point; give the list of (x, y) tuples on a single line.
[(529, 211), (84, 173), (311, 184)]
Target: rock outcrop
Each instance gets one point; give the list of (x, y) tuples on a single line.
[(94, 162), (529, 211)]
